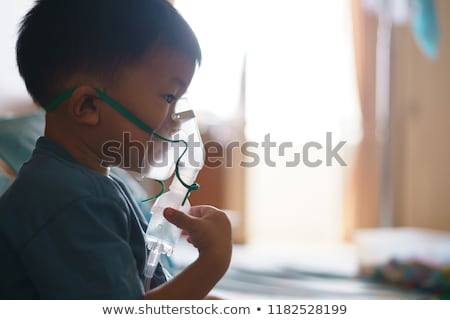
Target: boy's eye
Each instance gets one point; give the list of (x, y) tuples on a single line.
[(169, 98)]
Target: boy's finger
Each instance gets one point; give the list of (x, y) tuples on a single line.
[(200, 211), (178, 218)]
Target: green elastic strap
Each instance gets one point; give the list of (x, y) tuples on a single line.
[(163, 188), (136, 121), (63, 96), (190, 188)]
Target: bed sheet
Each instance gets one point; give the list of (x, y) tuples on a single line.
[(304, 272)]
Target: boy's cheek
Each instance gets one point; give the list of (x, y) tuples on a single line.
[(155, 116)]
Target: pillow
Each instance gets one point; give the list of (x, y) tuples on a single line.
[(18, 136), (5, 181)]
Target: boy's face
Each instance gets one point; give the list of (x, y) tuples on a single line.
[(145, 89)]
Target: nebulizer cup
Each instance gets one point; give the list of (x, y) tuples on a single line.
[(183, 154)]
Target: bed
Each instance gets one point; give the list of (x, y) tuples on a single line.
[(303, 272)]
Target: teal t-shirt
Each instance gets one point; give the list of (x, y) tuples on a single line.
[(67, 232)]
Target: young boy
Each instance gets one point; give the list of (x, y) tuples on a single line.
[(67, 229)]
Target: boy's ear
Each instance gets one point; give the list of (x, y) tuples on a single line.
[(84, 105)]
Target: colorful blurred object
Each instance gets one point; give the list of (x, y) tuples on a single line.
[(420, 14), (413, 275), (425, 27)]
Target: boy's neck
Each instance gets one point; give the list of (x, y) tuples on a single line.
[(79, 151)]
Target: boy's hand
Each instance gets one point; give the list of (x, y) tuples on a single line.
[(208, 229)]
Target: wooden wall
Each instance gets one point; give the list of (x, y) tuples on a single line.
[(420, 127)]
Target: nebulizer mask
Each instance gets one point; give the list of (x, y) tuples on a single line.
[(175, 146), (182, 153)]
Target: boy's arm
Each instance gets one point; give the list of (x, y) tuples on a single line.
[(209, 230)]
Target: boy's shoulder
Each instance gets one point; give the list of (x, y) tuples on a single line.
[(51, 182), (52, 173)]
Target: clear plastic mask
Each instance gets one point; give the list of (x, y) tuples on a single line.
[(176, 142)]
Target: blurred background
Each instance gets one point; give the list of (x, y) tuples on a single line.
[(373, 73)]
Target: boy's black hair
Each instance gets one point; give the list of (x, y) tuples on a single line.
[(58, 38)]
